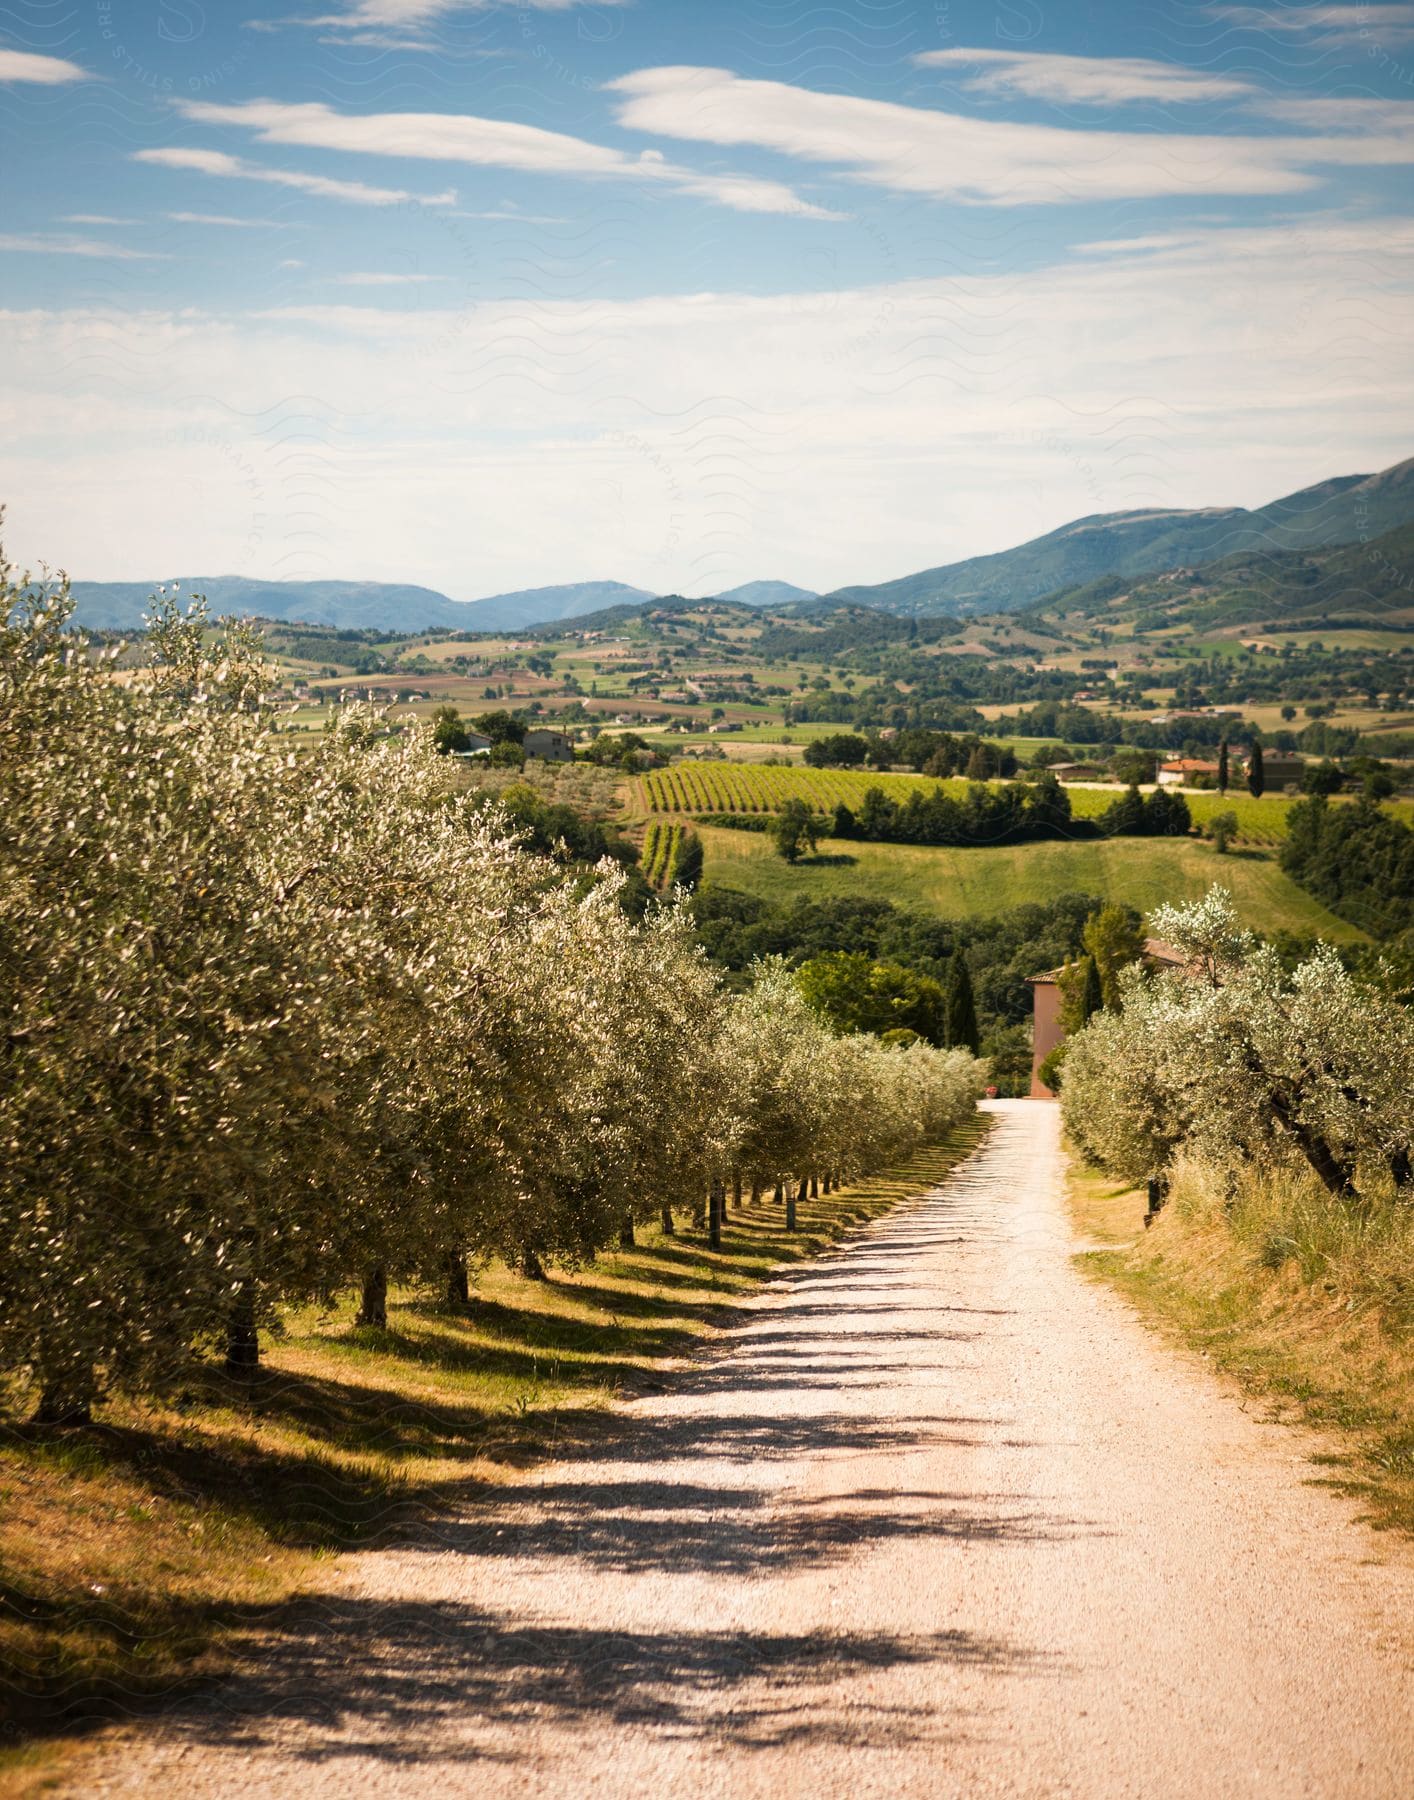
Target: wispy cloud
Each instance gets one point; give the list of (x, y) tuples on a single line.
[(490, 143), (56, 244), (1082, 80), (384, 278), (1349, 24), (514, 215), (1229, 367), (947, 155), (218, 162), (402, 24), (226, 219), (49, 71), (95, 219)]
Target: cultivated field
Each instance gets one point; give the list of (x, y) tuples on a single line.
[(955, 882), (745, 788)]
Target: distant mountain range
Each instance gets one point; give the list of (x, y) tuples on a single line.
[(381, 605), (767, 593), (1346, 509), (386, 606), (1339, 511)]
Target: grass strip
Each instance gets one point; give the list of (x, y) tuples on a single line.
[(1305, 1302), (135, 1554)]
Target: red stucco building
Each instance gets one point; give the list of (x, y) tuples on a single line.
[(1047, 1030)]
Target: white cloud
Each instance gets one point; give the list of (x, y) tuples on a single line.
[(1353, 23), (946, 155), (217, 162), (228, 219), (384, 278), (54, 244), (95, 219), (668, 441), (48, 71), (1083, 80), (1358, 117), (487, 143), (401, 24), (515, 216)]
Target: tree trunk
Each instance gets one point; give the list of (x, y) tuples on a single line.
[(814, 1188), (736, 1193), (373, 1308), (1337, 1177), (242, 1338), (756, 1193), (531, 1266), (626, 1237), (779, 1194), (1401, 1168), (66, 1400), (458, 1285), (669, 1229), (699, 1212), (716, 1200)]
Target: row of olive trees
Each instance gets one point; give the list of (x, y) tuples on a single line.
[(1234, 1057), (276, 1023)]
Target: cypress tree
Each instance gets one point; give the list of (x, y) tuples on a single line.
[(960, 1014), (1092, 999), (1256, 775), (1222, 767)]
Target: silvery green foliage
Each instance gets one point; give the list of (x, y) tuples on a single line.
[(1233, 1057), (270, 1019)]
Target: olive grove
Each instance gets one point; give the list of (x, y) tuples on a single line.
[(276, 1023), (1233, 1058)]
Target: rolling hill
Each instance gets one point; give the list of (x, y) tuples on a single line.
[(1343, 510), (767, 593), (1360, 584), (385, 606)]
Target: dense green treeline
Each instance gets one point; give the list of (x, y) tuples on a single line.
[(1356, 859)]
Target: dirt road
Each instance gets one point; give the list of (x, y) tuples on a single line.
[(944, 1521)]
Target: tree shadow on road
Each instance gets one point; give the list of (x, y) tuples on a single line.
[(442, 1682)]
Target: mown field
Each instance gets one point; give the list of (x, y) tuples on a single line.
[(1141, 872), (745, 788)]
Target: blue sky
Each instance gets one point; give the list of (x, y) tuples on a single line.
[(490, 295)]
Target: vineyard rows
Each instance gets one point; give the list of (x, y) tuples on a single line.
[(753, 788), (660, 852), (728, 787)]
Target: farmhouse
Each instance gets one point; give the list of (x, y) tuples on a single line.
[(1185, 769), (476, 745), (1048, 1028), (1069, 771), (1280, 771), (549, 746)]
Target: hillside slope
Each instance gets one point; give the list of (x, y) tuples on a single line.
[(385, 606), (1345, 509), (1369, 583)]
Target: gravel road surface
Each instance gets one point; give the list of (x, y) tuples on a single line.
[(944, 1520)]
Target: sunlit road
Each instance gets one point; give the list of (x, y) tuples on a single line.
[(944, 1520)]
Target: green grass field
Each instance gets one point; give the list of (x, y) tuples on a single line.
[(1141, 872)]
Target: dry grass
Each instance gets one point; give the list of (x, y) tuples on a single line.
[(1303, 1300), (133, 1553)]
